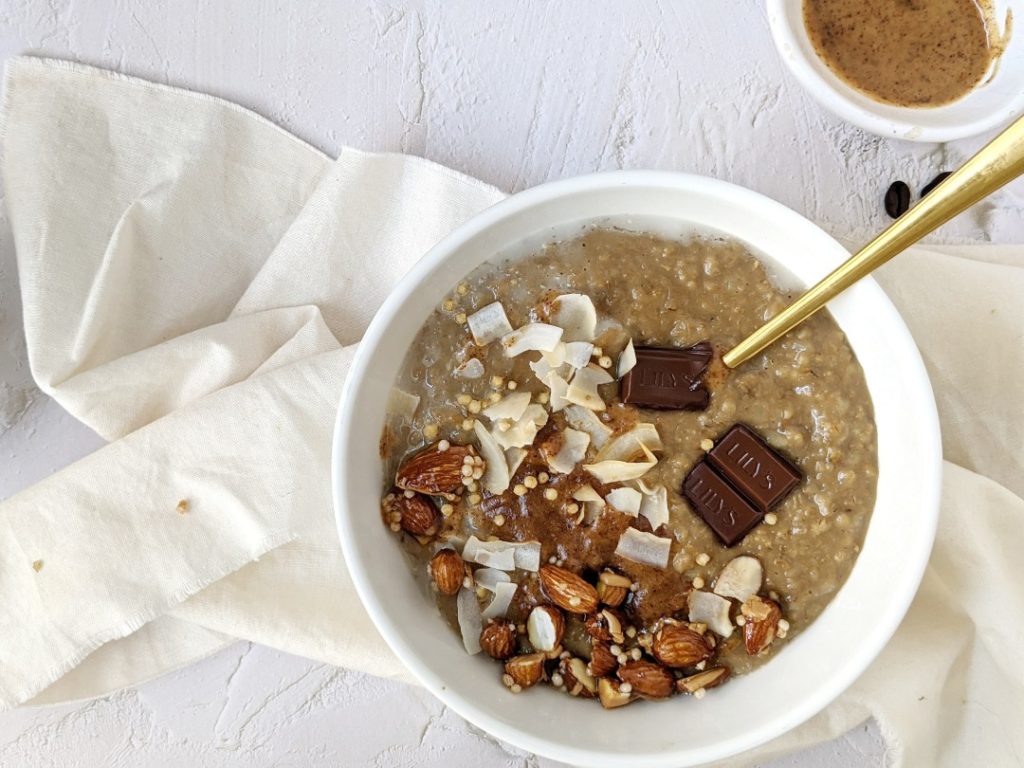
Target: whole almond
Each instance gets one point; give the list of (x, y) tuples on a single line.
[(709, 678), (448, 571), (567, 590), (435, 471), (602, 660), (758, 632), (525, 670), (611, 695), (545, 627), (498, 639), (612, 588), (414, 514), (676, 645), (606, 625), (648, 679), (578, 680)]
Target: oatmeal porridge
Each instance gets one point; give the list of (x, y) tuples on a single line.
[(594, 500)]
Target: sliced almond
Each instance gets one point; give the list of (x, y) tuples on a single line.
[(583, 387), (643, 547), (511, 407), (626, 500), (577, 678), (489, 324), (610, 694), (496, 478), (545, 627), (575, 313), (572, 448), (532, 336), (627, 360), (709, 678), (710, 609), (740, 579)]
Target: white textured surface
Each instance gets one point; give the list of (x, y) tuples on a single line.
[(513, 93)]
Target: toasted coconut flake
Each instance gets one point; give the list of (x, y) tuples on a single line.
[(645, 548), (401, 403), (572, 450), (559, 387), (523, 432), (626, 500), (532, 336), (527, 555), (621, 471), (587, 493), (493, 554), (515, 457), (583, 387), (576, 314), (470, 621), (510, 407), (655, 505), (710, 609), (630, 445), (496, 477), (588, 421), (471, 369), (578, 353), (627, 360), (740, 578), (489, 324), (503, 593), (556, 357), (489, 578)]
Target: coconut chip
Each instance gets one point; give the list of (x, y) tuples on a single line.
[(572, 448), (470, 622), (532, 336), (559, 388), (627, 360), (710, 609), (503, 555), (630, 445), (489, 324), (503, 594), (576, 314), (527, 555), (523, 432), (587, 493), (625, 500), (471, 369), (612, 471), (645, 548), (514, 457), (401, 403), (556, 357), (578, 353), (510, 407), (654, 505), (496, 477), (740, 578), (489, 578), (583, 387), (588, 421)]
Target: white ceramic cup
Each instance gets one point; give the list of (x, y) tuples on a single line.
[(810, 670), (993, 103)]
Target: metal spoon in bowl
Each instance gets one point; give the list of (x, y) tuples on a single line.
[(996, 164)]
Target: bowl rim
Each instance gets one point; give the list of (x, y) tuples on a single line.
[(388, 626), (837, 101)]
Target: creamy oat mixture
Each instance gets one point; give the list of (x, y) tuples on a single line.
[(806, 396)]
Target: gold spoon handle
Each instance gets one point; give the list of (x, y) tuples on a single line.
[(997, 163)]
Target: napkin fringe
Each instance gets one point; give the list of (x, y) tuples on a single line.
[(13, 698)]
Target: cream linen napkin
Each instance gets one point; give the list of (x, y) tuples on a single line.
[(194, 279)]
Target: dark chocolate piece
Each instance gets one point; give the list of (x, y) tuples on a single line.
[(725, 511), (757, 471), (670, 378)]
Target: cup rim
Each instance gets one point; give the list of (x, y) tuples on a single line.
[(875, 639)]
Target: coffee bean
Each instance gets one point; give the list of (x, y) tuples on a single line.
[(935, 182), (897, 199)]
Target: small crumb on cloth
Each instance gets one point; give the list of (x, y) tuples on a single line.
[(182, 507), (37, 566)]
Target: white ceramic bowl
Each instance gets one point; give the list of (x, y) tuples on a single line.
[(812, 669), (993, 103)]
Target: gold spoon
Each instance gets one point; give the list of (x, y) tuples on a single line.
[(995, 164)]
